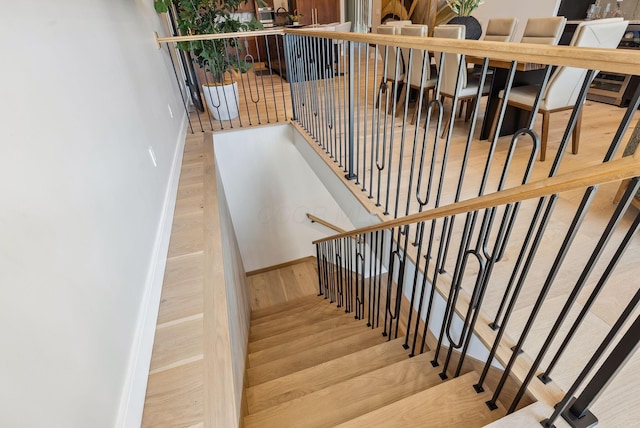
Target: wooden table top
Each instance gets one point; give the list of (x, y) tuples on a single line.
[(521, 66)]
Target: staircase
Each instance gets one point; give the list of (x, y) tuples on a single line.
[(310, 364)]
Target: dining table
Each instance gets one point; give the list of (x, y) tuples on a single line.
[(527, 73)]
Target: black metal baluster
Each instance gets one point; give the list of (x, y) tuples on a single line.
[(607, 372), (566, 244), (630, 192)]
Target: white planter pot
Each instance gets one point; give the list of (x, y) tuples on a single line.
[(222, 100)]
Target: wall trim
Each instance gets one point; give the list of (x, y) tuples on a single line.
[(135, 386)]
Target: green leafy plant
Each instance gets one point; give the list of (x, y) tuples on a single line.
[(296, 16), (219, 56), (463, 7)]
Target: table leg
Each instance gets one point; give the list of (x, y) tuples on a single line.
[(514, 118)]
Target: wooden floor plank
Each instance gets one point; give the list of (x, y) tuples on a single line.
[(174, 397), (176, 342), (182, 289)]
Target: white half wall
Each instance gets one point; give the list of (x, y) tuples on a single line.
[(239, 310), (270, 188), (84, 96)]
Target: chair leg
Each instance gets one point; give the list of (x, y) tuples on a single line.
[(575, 137), (544, 136), (445, 123), (470, 107), (425, 103), (494, 125), (400, 103), (414, 116), (621, 189)]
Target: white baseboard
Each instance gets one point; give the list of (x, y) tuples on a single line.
[(135, 387)]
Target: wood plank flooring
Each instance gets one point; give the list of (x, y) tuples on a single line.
[(175, 389)]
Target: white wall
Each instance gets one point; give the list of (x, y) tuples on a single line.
[(269, 189), (83, 95), (521, 9)]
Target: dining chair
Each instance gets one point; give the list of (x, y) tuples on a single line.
[(344, 27), (453, 78), (500, 29), (393, 66), (545, 31), (565, 83), (415, 78), (629, 150)]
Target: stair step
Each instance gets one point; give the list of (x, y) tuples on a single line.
[(288, 322), (301, 383), (309, 330), (451, 404), (352, 398), (294, 306), (311, 357), (335, 329), (529, 417)]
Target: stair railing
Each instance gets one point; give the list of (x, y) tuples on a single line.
[(345, 101), (401, 269), (253, 61)]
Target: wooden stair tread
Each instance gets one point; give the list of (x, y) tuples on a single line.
[(281, 307), (349, 399), (529, 417), (288, 322), (335, 329), (301, 383), (314, 356), (295, 306), (304, 331), (451, 404)]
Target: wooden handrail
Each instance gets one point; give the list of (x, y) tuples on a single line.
[(318, 220), (617, 170), (216, 36), (625, 61)]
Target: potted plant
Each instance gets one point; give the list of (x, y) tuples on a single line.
[(295, 17), (462, 9), (220, 57)]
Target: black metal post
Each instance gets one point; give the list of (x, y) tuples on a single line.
[(578, 414), (350, 174)]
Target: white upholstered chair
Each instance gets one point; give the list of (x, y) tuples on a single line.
[(500, 29), (393, 67), (546, 31), (415, 78), (451, 73), (564, 85)]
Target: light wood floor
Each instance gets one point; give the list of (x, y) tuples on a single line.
[(283, 285), (175, 388), (174, 395)]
